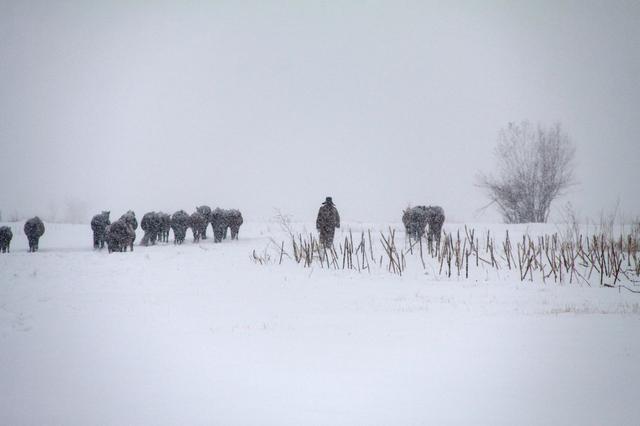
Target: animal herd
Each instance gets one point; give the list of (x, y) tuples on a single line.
[(416, 219), (33, 229), (121, 234)]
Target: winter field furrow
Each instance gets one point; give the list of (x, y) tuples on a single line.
[(202, 334)]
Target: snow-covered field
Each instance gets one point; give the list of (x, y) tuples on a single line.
[(201, 334)]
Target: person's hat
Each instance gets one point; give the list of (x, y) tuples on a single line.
[(328, 200)]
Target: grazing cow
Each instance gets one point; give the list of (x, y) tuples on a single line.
[(150, 224), (165, 227), (198, 224), (99, 225), (5, 239), (206, 212), (219, 224), (179, 225), (327, 222), (120, 235), (34, 228), (234, 220)]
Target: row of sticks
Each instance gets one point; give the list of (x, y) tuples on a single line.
[(588, 259), (547, 256)]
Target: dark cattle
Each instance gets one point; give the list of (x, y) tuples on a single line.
[(5, 239), (233, 220), (219, 224), (99, 225), (435, 219), (225, 215), (198, 224), (120, 235), (165, 227), (415, 221), (206, 212), (417, 218), (406, 221), (130, 218), (150, 224), (179, 224), (34, 228), (327, 222)]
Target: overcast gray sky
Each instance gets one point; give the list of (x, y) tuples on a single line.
[(256, 105)]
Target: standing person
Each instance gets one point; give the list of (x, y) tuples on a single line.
[(327, 222)]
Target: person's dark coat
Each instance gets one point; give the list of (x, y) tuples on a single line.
[(327, 221), (5, 238), (34, 229)]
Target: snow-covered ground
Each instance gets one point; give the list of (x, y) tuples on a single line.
[(201, 334)]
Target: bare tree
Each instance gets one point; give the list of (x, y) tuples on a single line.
[(535, 166)]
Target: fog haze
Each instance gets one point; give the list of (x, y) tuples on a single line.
[(263, 105)]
